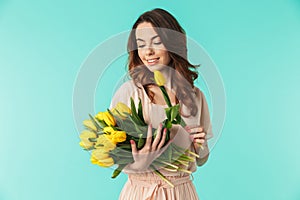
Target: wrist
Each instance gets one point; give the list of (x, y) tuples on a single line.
[(201, 149)]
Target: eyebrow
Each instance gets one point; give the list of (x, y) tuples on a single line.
[(151, 38)]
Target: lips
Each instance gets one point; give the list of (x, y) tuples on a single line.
[(152, 61)]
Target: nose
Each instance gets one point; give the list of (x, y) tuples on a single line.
[(150, 51)]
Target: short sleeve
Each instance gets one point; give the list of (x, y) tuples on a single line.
[(123, 94), (205, 120)]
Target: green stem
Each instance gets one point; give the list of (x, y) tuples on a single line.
[(166, 163), (185, 170), (161, 176), (194, 154), (170, 170), (166, 96), (179, 162)]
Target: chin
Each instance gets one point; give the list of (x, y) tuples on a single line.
[(158, 67)]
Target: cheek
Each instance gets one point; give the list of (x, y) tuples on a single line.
[(166, 57), (140, 53)]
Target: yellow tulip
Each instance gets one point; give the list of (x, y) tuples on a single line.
[(117, 136), (108, 130), (86, 144), (121, 109), (85, 135), (108, 162), (101, 158), (159, 78), (103, 142), (114, 136), (89, 124), (100, 154), (107, 118)]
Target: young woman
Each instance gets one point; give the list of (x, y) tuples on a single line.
[(158, 42)]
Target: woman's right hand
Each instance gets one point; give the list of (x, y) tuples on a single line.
[(151, 150)]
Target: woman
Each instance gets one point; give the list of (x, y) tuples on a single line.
[(158, 42)]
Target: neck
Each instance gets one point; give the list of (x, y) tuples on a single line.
[(168, 73)]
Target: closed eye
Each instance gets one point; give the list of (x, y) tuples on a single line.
[(157, 43)]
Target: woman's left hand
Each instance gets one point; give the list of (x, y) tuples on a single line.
[(197, 134)]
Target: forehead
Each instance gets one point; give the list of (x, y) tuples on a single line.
[(145, 31)]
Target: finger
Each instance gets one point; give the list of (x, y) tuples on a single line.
[(157, 138), (193, 129), (201, 141), (149, 136), (133, 147), (198, 135), (162, 142), (196, 130)]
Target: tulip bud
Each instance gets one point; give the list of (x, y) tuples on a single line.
[(121, 109), (159, 78), (107, 118)]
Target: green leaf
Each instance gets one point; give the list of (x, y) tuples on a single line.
[(124, 146), (141, 141), (166, 96), (180, 121), (174, 112), (92, 139), (118, 171), (168, 112), (98, 126), (140, 111), (134, 114), (88, 149), (123, 161), (99, 145), (168, 125)]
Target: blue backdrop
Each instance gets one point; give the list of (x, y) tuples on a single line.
[(255, 45)]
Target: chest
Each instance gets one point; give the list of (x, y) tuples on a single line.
[(155, 94)]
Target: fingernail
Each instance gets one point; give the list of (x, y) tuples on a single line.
[(131, 141)]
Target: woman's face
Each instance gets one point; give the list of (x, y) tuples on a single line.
[(151, 50)]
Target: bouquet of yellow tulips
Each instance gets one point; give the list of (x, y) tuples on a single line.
[(108, 134)]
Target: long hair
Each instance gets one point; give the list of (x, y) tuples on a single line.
[(174, 39)]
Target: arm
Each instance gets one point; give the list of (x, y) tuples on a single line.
[(203, 151), (204, 154), (202, 132), (191, 135)]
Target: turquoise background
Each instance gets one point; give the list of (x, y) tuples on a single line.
[(255, 45)]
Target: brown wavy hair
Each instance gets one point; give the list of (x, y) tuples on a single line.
[(173, 37)]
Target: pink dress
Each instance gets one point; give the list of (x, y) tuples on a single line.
[(148, 186)]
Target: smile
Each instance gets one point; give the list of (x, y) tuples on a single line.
[(152, 61)]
